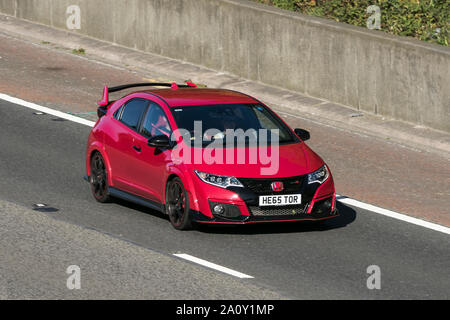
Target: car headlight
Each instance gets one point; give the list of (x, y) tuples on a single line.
[(319, 176), (218, 181)]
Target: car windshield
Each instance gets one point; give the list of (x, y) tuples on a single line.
[(216, 122)]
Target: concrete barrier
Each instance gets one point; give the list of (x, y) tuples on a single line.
[(395, 77)]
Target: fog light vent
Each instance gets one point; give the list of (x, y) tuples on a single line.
[(219, 209), (224, 210), (322, 206)]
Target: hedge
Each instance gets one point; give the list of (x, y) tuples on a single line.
[(426, 20)]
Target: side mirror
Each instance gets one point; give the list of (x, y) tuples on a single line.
[(302, 134), (161, 141)]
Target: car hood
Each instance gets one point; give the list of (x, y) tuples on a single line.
[(292, 160)]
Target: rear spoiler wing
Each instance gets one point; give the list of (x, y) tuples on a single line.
[(105, 98)]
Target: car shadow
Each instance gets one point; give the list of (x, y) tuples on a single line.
[(346, 216)]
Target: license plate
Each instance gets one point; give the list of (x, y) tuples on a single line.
[(280, 200)]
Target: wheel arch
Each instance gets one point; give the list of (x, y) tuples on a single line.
[(98, 147), (187, 183)]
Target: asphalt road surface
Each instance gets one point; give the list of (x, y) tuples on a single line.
[(42, 161)]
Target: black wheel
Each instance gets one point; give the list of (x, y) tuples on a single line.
[(99, 179), (177, 205)]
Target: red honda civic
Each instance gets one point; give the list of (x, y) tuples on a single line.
[(208, 156)]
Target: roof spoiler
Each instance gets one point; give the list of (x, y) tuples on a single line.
[(173, 85)]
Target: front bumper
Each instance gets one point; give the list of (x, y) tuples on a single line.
[(201, 218), (318, 203)]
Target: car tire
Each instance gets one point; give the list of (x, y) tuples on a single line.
[(98, 178), (177, 205)]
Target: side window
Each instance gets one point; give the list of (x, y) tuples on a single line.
[(155, 122), (117, 113), (132, 112)]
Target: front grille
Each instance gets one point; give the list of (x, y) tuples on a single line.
[(277, 211), (263, 186)]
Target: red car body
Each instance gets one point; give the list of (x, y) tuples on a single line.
[(139, 172)]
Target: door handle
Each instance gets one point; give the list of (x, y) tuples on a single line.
[(138, 149)]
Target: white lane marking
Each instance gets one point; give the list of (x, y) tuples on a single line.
[(55, 113), (392, 214), (212, 265), (349, 201)]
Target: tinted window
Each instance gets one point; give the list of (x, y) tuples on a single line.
[(132, 112), (117, 113), (155, 122), (231, 116)]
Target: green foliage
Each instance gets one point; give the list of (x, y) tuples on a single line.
[(79, 51), (427, 20)]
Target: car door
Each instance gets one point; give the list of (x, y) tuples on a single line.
[(151, 164), (122, 147)]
